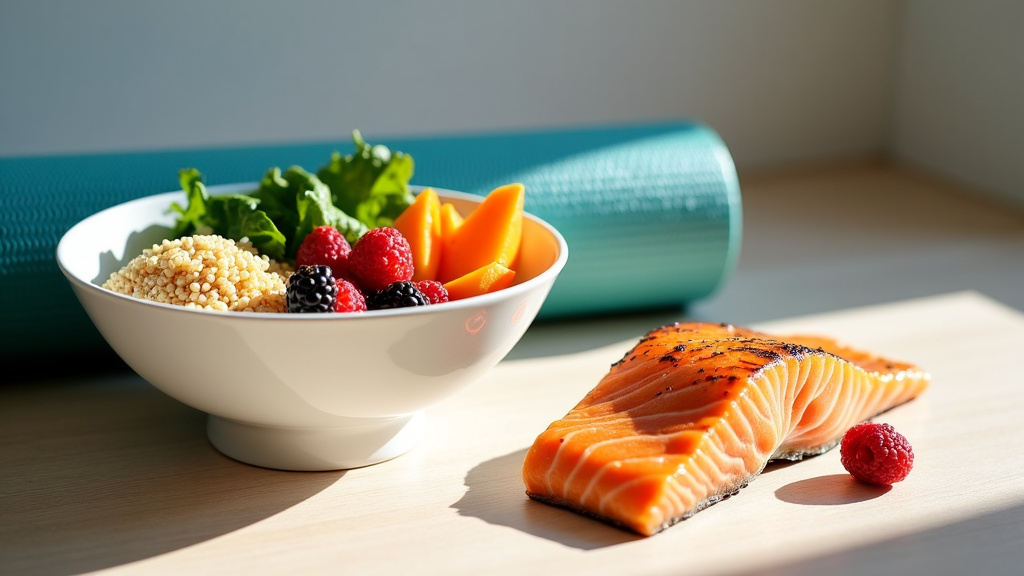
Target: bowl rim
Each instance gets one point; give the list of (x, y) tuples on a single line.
[(548, 275)]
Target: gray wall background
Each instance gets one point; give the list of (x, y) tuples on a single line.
[(935, 83)]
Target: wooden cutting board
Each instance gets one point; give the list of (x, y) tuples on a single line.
[(456, 503)]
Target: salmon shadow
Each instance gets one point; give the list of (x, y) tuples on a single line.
[(830, 490), (497, 496)]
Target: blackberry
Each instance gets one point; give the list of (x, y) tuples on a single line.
[(312, 289), (401, 294)]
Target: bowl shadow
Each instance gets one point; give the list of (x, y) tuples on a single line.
[(496, 495), (107, 474)]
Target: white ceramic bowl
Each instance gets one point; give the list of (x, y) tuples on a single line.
[(303, 391)]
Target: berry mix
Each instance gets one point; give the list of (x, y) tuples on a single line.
[(352, 235), (374, 274)]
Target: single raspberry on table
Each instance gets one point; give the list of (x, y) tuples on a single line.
[(379, 258), (876, 453), (433, 290), (325, 246), (350, 298)]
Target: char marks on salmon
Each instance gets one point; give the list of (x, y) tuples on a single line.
[(695, 411)]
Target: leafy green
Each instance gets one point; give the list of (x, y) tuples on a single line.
[(191, 219), (298, 202), (233, 216), (354, 193), (372, 184)]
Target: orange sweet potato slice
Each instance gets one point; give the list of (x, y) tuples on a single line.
[(491, 233), (488, 278), (420, 223)]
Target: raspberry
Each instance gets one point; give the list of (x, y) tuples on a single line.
[(401, 294), (876, 453), (311, 289), (350, 299), (380, 258), (327, 247), (433, 290)]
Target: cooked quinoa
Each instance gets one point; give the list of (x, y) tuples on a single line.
[(208, 272)]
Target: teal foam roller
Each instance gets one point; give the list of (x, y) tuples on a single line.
[(651, 213)]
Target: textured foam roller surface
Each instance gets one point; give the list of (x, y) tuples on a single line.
[(651, 213)]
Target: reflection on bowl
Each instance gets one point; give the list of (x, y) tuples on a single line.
[(303, 391)]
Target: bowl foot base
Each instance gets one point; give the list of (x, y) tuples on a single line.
[(357, 442)]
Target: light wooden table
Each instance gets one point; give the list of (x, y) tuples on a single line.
[(107, 474)]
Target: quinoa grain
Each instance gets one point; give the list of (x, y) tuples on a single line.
[(208, 272)]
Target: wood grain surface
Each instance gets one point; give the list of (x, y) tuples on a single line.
[(110, 475)]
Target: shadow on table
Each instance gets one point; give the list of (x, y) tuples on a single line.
[(492, 497), (495, 496), (98, 479), (830, 490), (986, 544)]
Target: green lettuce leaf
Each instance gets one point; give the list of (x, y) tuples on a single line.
[(298, 202), (239, 217), (366, 189), (234, 216), (371, 184), (191, 220)]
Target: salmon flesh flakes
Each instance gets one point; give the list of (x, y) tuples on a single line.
[(695, 411)]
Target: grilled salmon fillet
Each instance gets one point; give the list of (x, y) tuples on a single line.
[(695, 411)]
